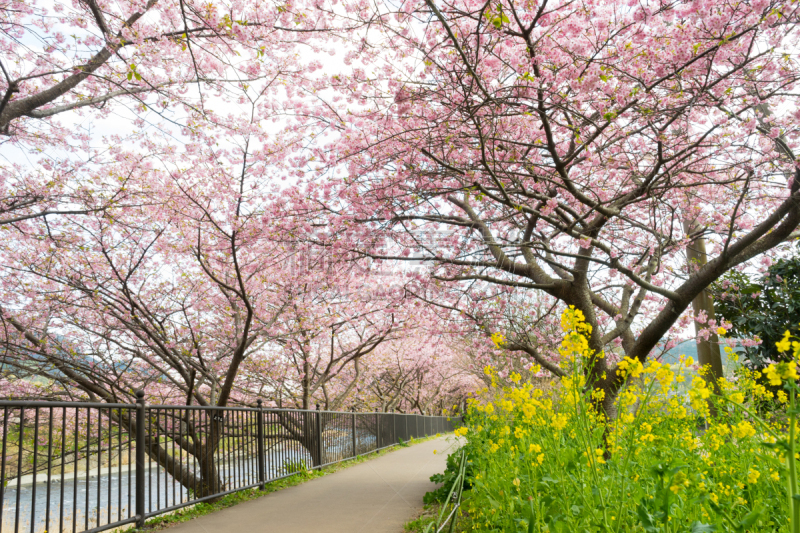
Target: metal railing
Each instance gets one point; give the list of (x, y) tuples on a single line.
[(448, 514), (86, 467)]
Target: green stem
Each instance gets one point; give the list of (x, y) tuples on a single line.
[(791, 462), (755, 417), (640, 412), (587, 445), (794, 505)]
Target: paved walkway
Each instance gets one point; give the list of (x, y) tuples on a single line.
[(376, 496)]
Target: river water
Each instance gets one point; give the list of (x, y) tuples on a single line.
[(106, 497)]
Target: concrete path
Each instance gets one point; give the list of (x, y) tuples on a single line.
[(376, 496)]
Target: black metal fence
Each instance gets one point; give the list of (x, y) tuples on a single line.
[(72, 467)]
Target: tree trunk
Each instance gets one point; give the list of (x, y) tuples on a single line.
[(708, 352), (306, 385), (209, 480)]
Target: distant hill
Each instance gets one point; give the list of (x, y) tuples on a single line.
[(689, 349)]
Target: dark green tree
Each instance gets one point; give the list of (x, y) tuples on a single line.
[(764, 307)]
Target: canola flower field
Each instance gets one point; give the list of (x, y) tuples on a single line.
[(719, 458)]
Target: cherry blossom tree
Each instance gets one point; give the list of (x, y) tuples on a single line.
[(169, 296), (172, 263), (423, 373), (91, 55), (329, 329), (563, 147), (79, 79)]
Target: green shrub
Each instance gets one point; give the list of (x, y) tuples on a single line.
[(450, 474)]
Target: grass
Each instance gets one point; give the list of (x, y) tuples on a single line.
[(202, 509), (429, 514), (426, 516)]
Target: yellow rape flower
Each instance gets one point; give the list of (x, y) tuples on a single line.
[(559, 421), (784, 344), (743, 429), (599, 456), (776, 373), (498, 339)]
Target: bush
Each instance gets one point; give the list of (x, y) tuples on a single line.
[(761, 308), (447, 479), (666, 464)]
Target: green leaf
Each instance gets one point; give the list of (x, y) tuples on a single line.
[(647, 520), (130, 76), (752, 518), (531, 516), (698, 527)]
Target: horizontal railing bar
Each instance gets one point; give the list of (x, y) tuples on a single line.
[(101, 405), (88, 405), (348, 458), (106, 527)]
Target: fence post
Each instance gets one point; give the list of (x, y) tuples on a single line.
[(354, 431), (262, 475), (139, 458), (319, 435), (377, 430)]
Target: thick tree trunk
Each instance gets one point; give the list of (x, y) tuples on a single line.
[(210, 482)]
